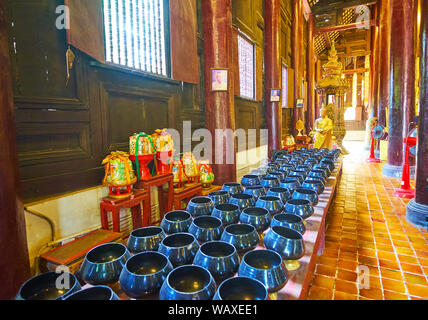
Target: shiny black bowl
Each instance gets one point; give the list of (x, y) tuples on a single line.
[(44, 287), (243, 237), (289, 220), (288, 243), (250, 180), (255, 191), (219, 197), (313, 184), (206, 228), (188, 283), (219, 258), (291, 184), (227, 213), (282, 193), (241, 288), (273, 204), (277, 174), (232, 188), (145, 239), (180, 248), (200, 206), (257, 217), (176, 221), (266, 266), (144, 274), (242, 200), (300, 207), (269, 182), (306, 194), (103, 264), (94, 293)]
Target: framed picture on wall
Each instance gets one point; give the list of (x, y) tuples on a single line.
[(219, 81), (275, 95), (299, 103)]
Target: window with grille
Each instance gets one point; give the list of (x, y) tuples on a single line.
[(135, 34), (284, 75), (246, 67)]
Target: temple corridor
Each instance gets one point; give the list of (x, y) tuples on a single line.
[(366, 226)]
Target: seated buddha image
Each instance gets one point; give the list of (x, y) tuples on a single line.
[(323, 131)]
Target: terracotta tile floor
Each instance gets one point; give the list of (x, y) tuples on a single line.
[(367, 234)]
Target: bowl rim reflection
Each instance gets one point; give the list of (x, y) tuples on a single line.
[(288, 215), (234, 252), (200, 200), (276, 254), (167, 262), (277, 190), (305, 191), (242, 278), (176, 235), (189, 266), (297, 233), (248, 212), (104, 245), (241, 196), (134, 232), (189, 216), (94, 288), (246, 225), (221, 207), (212, 218), (231, 184), (47, 275), (218, 193), (270, 198)]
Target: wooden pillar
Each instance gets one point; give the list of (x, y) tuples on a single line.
[(273, 72), (384, 45), (374, 72), (14, 264), (310, 115), (417, 209), (297, 25), (318, 103), (219, 106), (402, 83)]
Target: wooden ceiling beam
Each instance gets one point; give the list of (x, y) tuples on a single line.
[(344, 27), (333, 5)]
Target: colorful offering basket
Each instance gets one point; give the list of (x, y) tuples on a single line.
[(206, 173), (191, 169), (119, 175), (178, 172), (165, 148)]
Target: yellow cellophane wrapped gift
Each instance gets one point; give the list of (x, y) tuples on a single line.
[(162, 140), (143, 147), (190, 166), (118, 170), (206, 173), (178, 172)]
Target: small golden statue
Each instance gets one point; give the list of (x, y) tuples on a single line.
[(323, 131), (300, 126)]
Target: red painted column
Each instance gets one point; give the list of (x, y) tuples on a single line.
[(219, 106), (374, 76), (417, 209), (14, 264), (402, 83), (273, 72), (384, 48), (297, 28), (310, 115)]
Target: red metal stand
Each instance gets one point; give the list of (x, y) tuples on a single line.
[(164, 162), (372, 158), (406, 191)]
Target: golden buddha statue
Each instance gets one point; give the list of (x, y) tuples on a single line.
[(323, 131)]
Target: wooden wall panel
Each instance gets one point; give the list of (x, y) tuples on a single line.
[(65, 130)]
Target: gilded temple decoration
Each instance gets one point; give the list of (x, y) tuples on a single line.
[(332, 84)]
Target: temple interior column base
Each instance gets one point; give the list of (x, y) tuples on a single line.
[(392, 171), (417, 214)]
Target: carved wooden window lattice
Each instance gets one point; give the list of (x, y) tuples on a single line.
[(135, 34), (246, 67)]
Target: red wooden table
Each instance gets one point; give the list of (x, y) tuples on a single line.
[(134, 203), (186, 193), (159, 181)]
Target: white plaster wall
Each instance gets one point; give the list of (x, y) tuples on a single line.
[(248, 160)]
